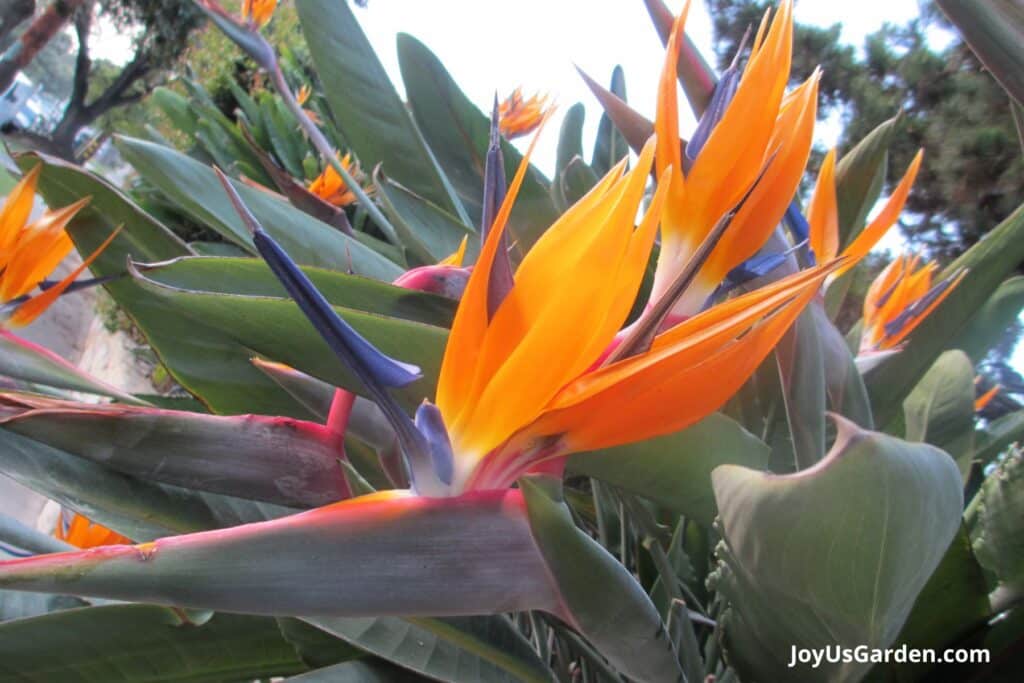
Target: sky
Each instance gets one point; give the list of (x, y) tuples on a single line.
[(489, 47)]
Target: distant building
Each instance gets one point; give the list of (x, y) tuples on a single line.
[(14, 104)]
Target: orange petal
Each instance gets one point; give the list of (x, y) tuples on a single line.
[(666, 390), (737, 148), (666, 122), (986, 398), (84, 533), (34, 307), (40, 248), (823, 212), (754, 223), (15, 212), (470, 324), (874, 230), (563, 311)]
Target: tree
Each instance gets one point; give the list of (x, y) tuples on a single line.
[(974, 174), (161, 29)]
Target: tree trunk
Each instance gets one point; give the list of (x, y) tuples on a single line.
[(34, 39), (12, 13), (78, 114)]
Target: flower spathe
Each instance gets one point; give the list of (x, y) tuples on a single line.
[(756, 150), (30, 251)]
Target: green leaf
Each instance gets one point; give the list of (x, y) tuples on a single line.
[(995, 31), (203, 360), (598, 596), (570, 149), (13, 532), (802, 372), (994, 520), (430, 556), (458, 133), (277, 329), (576, 181), (859, 177), (988, 262), (137, 509), (844, 386), (988, 326), (366, 108), (195, 189), (610, 146), (140, 643), (316, 647), (23, 360), (570, 139), (176, 108), (252, 277), (940, 409), (952, 604), (457, 649), (426, 230), (675, 470), (840, 551), (271, 459)]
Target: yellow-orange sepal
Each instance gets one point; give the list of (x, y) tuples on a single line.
[(27, 312), (823, 215)]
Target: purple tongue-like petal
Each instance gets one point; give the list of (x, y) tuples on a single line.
[(501, 280)]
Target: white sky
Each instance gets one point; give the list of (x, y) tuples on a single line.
[(488, 45)]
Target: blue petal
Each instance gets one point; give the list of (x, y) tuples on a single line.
[(354, 350), (725, 90), (431, 424), (801, 232)]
